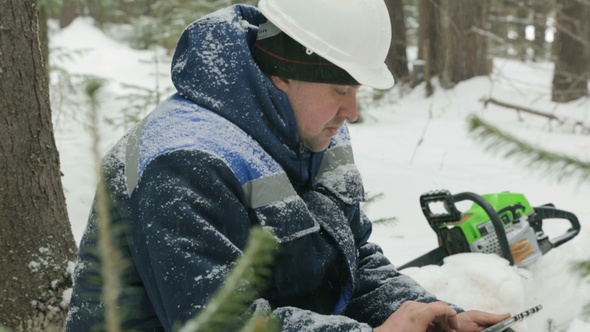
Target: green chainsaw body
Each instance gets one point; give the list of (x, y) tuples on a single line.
[(501, 223)]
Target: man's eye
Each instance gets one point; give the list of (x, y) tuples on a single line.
[(340, 92)]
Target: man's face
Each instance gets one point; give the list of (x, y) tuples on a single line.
[(320, 109)]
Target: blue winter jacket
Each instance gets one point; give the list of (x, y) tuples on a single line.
[(221, 155)]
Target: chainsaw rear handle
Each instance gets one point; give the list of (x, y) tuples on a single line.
[(550, 212), (453, 214)]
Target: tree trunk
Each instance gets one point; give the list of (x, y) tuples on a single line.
[(586, 36), (520, 25), (68, 12), (569, 77), (428, 34), (397, 59), (36, 242), (540, 11), (44, 35), (427, 63), (498, 27), (463, 24)]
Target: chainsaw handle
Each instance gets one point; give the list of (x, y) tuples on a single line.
[(451, 214), (548, 212), (494, 218)]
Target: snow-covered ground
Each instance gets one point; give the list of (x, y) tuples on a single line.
[(407, 145)]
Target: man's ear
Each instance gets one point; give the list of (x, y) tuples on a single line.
[(280, 83)]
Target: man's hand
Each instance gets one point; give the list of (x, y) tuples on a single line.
[(437, 317), (421, 317)]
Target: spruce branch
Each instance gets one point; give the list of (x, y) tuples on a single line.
[(110, 255), (261, 323), (555, 163), (583, 270), (226, 309), (507, 145), (550, 325), (372, 198)]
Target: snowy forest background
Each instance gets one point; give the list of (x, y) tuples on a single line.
[(521, 65)]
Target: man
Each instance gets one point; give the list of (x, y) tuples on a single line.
[(256, 136)]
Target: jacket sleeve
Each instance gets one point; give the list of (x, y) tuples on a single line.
[(379, 288), (189, 225)]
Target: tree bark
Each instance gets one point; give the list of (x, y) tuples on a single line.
[(463, 24), (36, 242), (570, 80), (540, 12), (427, 63), (43, 17), (68, 12), (428, 34), (397, 58), (498, 27)]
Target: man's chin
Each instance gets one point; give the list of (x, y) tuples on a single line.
[(319, 147)]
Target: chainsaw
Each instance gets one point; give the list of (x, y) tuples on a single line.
[(504, 224)]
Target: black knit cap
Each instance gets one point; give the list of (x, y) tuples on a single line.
[(278, 54)]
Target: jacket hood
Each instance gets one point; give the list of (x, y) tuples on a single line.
[(213, 67)]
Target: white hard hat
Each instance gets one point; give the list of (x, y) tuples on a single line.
[(355, 35)]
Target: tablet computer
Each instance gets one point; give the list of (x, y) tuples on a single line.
[(503, 325)]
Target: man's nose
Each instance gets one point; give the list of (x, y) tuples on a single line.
[(349, 109)]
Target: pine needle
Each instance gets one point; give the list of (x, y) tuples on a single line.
[(556, 164), (226, 310), (389, 221), (559, 165), (261, 323), (109, 253), (582, 268)]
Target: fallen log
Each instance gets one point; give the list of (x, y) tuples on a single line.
[(562, 121)]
